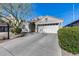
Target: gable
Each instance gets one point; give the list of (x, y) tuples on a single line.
[(48, 20)]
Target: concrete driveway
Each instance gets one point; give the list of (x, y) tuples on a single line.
[(33, 44)]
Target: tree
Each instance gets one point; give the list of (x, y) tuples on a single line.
[(14, 14)]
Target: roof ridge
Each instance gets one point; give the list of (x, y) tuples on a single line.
[(72, 22)]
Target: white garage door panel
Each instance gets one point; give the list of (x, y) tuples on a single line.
[(48, 29), (51, 29)]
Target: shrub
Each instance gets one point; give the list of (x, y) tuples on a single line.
[(69, 39), (16, 30)]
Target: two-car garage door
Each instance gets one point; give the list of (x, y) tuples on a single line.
[(48, 29)]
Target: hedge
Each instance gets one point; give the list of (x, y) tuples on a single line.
[(69, 39)]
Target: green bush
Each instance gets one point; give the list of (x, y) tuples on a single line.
[(16, 30), (69, 39)]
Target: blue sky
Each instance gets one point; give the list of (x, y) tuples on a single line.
[(59, 10)]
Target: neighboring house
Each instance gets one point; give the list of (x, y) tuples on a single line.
[(75, 23), (3, 30), (3, 27), (46, 24)]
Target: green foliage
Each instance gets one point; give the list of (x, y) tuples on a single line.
[(69, 39), (16, 30)]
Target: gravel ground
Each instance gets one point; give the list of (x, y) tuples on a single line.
[(3, 36)]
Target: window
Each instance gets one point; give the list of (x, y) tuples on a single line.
[(3, 28)]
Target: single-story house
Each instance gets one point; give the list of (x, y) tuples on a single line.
[(46, 24), (74, 23)]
